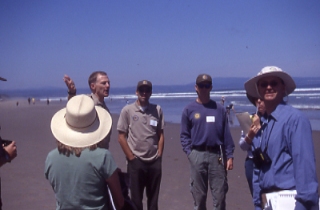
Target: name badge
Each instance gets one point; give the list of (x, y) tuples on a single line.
[(153, 123), (210, 119)]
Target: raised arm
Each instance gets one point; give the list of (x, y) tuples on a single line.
[(72, 91)]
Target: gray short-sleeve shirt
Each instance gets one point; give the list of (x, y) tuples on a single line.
[(141, 127)]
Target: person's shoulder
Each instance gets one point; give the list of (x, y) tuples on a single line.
[(288, 113), (98, 152), (154, 106), (53, 153), (287, 108), (129, 107), (192, 104)]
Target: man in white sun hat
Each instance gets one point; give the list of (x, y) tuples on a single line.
[(80, 169), (286, 144)]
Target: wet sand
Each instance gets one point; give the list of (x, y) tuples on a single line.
[(24, 185)]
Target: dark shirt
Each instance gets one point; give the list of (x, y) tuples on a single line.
[(205, 125)]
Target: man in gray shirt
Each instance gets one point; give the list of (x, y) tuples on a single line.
[(141, 137)]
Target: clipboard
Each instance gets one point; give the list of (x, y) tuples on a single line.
[(244, 121)]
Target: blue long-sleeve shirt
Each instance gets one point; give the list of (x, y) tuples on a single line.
[(288, 138), (205, 124)]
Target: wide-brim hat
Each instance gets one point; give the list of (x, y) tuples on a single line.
[(251, 99), (81, 123), (268, 71)]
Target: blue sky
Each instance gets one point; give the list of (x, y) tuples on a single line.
[(167, 42)]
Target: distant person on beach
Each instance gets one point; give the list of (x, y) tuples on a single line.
[(222, 100), (29, 99), (230, 108), (286, 144), (207, 141), (33, 101), (99, 85), (141, 138), (79, 179), (8, 151), (254, 135)]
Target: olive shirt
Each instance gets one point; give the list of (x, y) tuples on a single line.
[(103, 105), (141, 128)]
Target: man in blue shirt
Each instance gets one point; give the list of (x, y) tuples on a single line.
[(206, 139), (286, 142)]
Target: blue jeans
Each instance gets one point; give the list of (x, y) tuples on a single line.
[(206, 169)]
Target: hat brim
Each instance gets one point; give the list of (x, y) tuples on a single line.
[(83, 137), (252, 88), (251, 99), (3, 79)]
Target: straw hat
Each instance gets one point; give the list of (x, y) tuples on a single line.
[(251, 99), (81, 123), (268, 71)]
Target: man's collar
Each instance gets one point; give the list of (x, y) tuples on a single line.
[(96, 100), (137, 106), (278, 111)]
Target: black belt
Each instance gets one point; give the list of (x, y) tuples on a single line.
[(206, 148)]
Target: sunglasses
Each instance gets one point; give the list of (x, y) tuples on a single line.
[(265, 84), (144, 90), (206, 86)]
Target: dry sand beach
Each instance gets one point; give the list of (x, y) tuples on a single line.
[(24, 186)]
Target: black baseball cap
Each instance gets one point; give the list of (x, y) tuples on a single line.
[(204, 78), (144, 83)]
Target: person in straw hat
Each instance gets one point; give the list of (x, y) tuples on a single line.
[(79, 169), (286, 143)]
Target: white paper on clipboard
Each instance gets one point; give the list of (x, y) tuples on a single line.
[(244, 121)]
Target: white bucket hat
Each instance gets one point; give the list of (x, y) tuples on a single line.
[(251, 85), (81, 123)]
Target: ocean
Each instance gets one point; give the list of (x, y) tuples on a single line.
[(305, 99), (173, 99)]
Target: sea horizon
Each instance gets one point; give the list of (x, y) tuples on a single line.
[(173, 99)]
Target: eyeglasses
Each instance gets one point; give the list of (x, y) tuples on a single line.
[(144, 90), (206, 86), (265, 84)]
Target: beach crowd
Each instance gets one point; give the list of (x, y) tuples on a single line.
[(84, 175)]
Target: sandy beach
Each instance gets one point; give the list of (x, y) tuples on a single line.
[(24, 185)]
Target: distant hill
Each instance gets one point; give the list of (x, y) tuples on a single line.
[(222, 83)]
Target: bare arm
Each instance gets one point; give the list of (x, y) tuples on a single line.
[(122, 138), (160, 143), (115, 188), (70, 85)]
